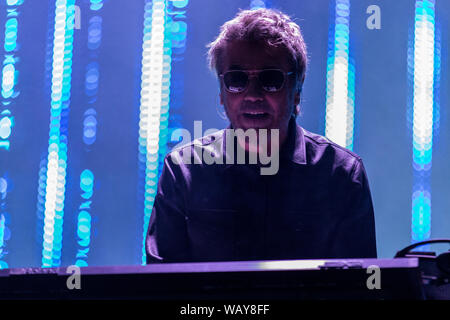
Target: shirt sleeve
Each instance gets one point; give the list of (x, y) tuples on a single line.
[(167, 239), (355, 233)]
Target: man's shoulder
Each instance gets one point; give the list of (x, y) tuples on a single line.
[(318, 146)]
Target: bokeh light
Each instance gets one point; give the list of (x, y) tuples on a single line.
[(424, 69), (340, 102), (55, 180)]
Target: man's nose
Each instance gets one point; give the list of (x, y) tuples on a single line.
[(254, 91)]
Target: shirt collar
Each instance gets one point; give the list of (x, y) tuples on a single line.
[(294, 149)]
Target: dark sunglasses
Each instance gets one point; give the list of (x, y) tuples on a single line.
[(270, 80)]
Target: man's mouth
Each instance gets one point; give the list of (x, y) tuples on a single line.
[(256, 115)]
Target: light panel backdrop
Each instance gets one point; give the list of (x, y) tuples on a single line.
[(91, 91)]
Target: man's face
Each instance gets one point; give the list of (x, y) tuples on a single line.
[(244, 110)]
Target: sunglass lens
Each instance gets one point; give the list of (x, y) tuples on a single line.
[(235, 81), (271, 80)]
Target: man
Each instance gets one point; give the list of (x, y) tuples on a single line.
[(316, 205)]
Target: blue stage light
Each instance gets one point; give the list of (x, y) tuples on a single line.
[(8, 95), (179, 3), (94, 32), (164, 38), (84, 217), (96, 5), (92, 77), (11, 34), (6, 124), (424, 74), (57, 150), (340, 104), (14, 2)]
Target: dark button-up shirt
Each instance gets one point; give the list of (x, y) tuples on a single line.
[(317, 206)]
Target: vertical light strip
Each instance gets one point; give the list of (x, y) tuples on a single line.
[(84, 223), (423, 86), (9, 73), (154, 103), (9, 81), (339, 119), (178, 35), (4, 230), (55, 179)]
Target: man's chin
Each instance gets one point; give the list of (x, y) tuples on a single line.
[(255, 122)]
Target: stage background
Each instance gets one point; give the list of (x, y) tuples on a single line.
[(73, 151)]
